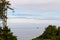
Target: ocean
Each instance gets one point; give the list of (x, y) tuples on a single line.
[(28, 31)]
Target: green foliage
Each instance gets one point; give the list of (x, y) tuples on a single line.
[(50, 33), (6, 34), (4, 6)]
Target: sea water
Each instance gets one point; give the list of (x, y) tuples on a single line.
[(28, 31)]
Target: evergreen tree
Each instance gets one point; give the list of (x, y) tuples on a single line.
[(6, 34)]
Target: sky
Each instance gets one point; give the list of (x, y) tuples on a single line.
[(35, 10), (33, 13)]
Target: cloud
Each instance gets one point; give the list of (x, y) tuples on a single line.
[(33, 1), (36, 9), (37, 5), (37, 16), (21, 20), (28, 1), (50, 7)]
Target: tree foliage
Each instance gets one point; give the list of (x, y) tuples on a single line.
[(6, 34), (4, 6), (50, 33)]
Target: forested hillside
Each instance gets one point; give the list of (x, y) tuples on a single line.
[(50, 33)]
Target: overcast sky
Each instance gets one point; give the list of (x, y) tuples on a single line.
[(36, 9)]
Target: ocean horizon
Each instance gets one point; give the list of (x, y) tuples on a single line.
[(28, 31)]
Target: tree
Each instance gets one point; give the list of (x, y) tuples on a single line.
[(6, 34), (4, 6), (50, 33)]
